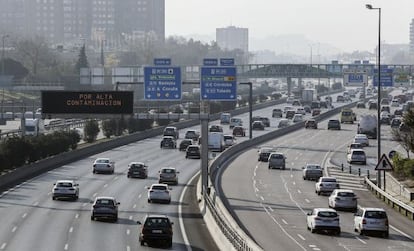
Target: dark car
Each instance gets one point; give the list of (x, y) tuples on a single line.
[(168, 142), (156, 229), (340, 98), (215, 128), (373, 106), (105, 208), (311, 123), (307, 109), (398, 112), (239, 131), (290, 114), (184, 144), (264, 153), (315, 104), (266, 121), (324, 104), (192, 134), (258, 125), (137, 170), (395, 123), (360, 105), (334, 124), (193, 151), (316, 112)]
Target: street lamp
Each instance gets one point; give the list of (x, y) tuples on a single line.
[(3, 38), (369, 6)]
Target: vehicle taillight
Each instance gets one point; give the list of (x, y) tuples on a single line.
[(386, 222), (94, 165), (337, 185), (336, 219), (108, 165), (317, 218), (337, 198), (71, 189), (364, 221)]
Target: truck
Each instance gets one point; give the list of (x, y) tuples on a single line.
[(216, 141), (34, 127), (309, 95), (368, 125)]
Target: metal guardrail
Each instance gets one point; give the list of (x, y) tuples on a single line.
[(400, 206)]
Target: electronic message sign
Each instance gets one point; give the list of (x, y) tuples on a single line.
[(87, 102)]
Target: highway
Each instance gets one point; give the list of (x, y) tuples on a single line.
[(271, 205)]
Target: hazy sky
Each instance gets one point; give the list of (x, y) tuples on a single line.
[(346, 24)]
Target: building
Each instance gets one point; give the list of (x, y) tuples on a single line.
[(412, 37), (231, 38)]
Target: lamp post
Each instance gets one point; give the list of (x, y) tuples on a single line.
[(3, 38), (311, 54), (369, 6), (102, 53)]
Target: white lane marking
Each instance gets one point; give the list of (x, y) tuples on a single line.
[(139, 196), (271, 209), (84, 204), (261, 197), (294, 183), (312, 246), (401, 232), (128, 231), (316, 249), (130, 217), (66, 246), (70, 229), (307, 201), (3, 246), (106, 185), (94, 195), (24, 215), (76, 216), (284, 221), (180, 214), (297, 157), (356, 237), (303, 238), (116, 177), (291, 197), (134, 206), (256, 189), (49, 193), (128, 248), (14, 229), (36, 203), (299, 191)]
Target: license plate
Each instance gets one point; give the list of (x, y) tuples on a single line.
[(157, 231)]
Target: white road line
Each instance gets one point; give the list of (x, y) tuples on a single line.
[(299, 191), (261, 197), (3, 246), (284, 221), (356, 237), (130, 217), (316, 249), (271, 209), (134, 206), (106, 185), (307, 201), (70, 229), (66, 246), (84, 204), (128, 231), (94, 195), (76, 216), (49, 193), (24, 215), (116, 177), (303, 238), (294, 183), (128, 248), (14, 229), (36, 203), (139, 196), (401, 232)]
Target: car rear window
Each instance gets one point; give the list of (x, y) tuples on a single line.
[(346, 194), (64, 184), (276, 156), (328, 180), (358, 153), (168, 171), (159, 188), (327, 214), (105, 202), (376, 214), (102, 161), (313, 167), (156, 222)]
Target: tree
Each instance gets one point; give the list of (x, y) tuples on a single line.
[(35, 53), (91, 130), (82, 60), (15, 68)]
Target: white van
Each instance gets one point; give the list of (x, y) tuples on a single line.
[(216, 141), (225, 118)]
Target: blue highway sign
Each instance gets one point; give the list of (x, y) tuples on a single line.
[(162, 83), (386, 77), (210, 62), (227, 61), (218, 83)]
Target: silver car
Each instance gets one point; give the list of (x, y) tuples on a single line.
[(105, 208), (371, 220), (326, 185), (312, 172), (277, 160), (344, 199), (103, 165), (168, 175), (65, 189), (159, 193)]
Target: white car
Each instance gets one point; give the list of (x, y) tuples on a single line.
[(301, 110), (323, 219), (371, 220), (103, 165), (159, 193), (229, 140), (354, 146), (326, 185), (357, 156), (362, 139), (344, 199), (297, 118), (65, 189)]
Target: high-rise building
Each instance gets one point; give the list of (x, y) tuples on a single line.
[(412, 37), (231, 38)]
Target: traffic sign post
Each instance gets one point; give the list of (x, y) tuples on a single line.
[(355, 78), (387, 78), (162, 83), (384, 164), (218, 83)]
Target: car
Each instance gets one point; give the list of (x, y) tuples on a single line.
[(215, 128), (184, 144), (340, 98), (258, 125), (137, 170), (307, 108), (386, 108), (289, 114), (287, 108), (385, 101), (324, 104), (264, 153), (105, 207), (385, 118), (395, 102), (65, 189), (334, 124), (297, 118), (159, 193), (235, 122), (168, 142), (300, 110), (168, 175), (311, 123), (192, 134), (315, 105), (225, 118), (312, 172), (283, 123), (368, 219), (277, 112), (103, 165), (229, 140), (316, 112), (398, 112), (289, 100), (372, 106), (265, 120), (362, 139), (156, 229), (395, 122), (239, 131), (296, 102), (193, 151), (277, 160), (354, 146), (343, 199), (326, 185), (357, 156), (323, 219), (171, 131)]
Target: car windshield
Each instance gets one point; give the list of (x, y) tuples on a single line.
[(327, 214), (358, 153), (313, 167), (64, 184), (376, 214), (157, 222), (346, 194)]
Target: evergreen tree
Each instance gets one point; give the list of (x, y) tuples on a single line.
[(82, 60)]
